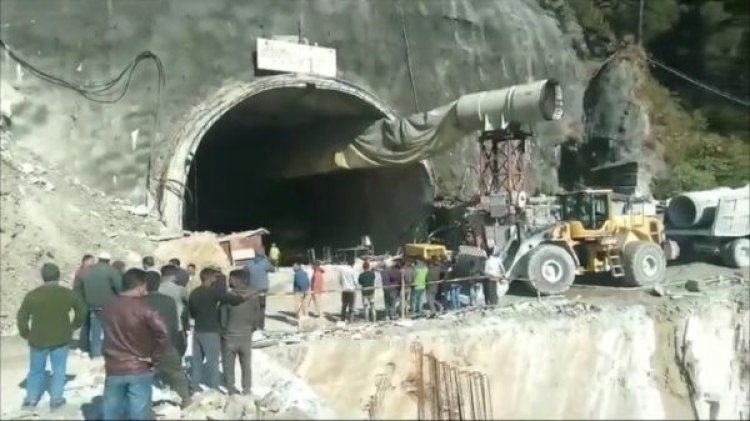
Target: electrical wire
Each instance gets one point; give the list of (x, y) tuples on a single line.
[(698, 83), (96, 91), (103, 92)]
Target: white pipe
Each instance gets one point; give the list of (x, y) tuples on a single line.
[(424, 135), (697, 208), (523, 104)]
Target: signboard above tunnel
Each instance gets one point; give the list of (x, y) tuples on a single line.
[(292, 57)]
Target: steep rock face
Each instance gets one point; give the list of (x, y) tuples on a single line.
[(617, 119), (454, 47)]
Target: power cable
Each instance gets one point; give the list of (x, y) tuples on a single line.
[(696, 82), (96, 91), (101, 91)]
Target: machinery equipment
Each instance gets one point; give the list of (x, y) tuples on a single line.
[(715, 221), (504, 147), (591, 237), (593, 234), (426, 252)]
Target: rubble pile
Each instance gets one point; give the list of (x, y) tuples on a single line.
[(47, 216), (199, 248)]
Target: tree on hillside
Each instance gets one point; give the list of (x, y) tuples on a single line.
[(710, 42)]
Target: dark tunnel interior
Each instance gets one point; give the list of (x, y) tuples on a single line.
[(235, 181)]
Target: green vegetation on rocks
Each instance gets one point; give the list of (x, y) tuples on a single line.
[(705, 138)]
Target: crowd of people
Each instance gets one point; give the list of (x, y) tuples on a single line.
[(138, 319), (410, 287)]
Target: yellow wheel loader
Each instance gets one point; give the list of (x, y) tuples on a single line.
[(425, 251), (598, 232)]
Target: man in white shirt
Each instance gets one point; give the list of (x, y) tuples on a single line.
[(348, 278), (493, 271)]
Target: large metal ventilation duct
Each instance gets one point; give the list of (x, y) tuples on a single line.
[(523, 104), (696, 208), (411, 139)]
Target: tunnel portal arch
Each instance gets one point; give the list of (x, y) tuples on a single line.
[(197, 124)]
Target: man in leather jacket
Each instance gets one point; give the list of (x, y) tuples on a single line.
[(137, 337)]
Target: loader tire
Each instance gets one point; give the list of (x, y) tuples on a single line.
[(644, 264), (551, 270), (736, 253)]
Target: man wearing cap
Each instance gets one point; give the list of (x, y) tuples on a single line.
[(100, 284), (49, 333)]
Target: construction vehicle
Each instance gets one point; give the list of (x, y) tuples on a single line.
[(714, 222), (597, 231), (425, 251), (593, 234), (591, 237)]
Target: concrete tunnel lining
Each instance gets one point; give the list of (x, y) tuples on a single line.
[(197, 125)]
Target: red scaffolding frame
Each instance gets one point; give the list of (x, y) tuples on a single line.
[(503, 162)]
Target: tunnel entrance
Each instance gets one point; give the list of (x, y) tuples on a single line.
[(235, 178)]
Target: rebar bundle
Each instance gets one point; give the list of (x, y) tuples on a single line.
[(446, 392)]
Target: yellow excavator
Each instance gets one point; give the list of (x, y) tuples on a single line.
[(598, 232)]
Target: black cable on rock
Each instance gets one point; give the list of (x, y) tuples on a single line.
[(96, 91), (104, 91)]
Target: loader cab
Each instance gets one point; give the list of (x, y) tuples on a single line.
[(586, 211)]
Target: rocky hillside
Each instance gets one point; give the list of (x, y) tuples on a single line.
[(49, 216), (672, 92)]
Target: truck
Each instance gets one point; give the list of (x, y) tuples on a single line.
[(714, 222)]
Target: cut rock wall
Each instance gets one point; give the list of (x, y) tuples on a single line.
[(455, 47), (611, 364)]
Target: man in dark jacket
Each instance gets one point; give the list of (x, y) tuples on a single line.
[(120, 267), (182, 277), (99, 285), (257, 271), (179, 295), (366, 281), (137, 338), (48, 309), (391, 290), (301, 288), (170, 366), (237, 325), (149, 265), (203, 306), (87, 261)]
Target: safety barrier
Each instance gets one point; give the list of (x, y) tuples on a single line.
[(463, 279)]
